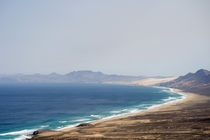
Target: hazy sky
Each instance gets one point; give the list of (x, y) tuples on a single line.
[(135, 37)]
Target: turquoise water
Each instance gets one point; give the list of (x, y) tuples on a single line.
[(25, 108)]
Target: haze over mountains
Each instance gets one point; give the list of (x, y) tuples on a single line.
[(198, 82), (72, 77)]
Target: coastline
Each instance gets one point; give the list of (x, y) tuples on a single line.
[(176, 91), (99, 128), (150, 109), (187, 96), (132, 110), (172, 91)]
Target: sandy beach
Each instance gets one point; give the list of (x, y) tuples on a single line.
[(186, 119)]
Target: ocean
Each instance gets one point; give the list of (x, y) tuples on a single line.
[(25, 108)]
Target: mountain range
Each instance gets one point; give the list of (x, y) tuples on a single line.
[(198, 82), (72, 77)]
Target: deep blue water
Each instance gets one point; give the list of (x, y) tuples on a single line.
[(27, 107)]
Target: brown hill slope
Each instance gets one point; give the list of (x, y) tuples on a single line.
[(198, 82)]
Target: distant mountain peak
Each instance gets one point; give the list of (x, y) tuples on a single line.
[(203, 72)]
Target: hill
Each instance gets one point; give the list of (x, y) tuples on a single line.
[(198, 82)]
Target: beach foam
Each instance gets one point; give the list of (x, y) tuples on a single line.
[(21, 132), (68, 126), (96, 116), (62, 121), (82, 120)]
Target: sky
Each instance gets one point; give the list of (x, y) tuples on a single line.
[(131, 37)]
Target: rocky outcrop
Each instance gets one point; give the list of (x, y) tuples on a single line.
[(84, 124)]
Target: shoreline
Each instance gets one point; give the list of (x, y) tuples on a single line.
[(176, 91), (189, 98), (114, 116), (156, 106)]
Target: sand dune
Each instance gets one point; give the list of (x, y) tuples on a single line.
[(152, 81)]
